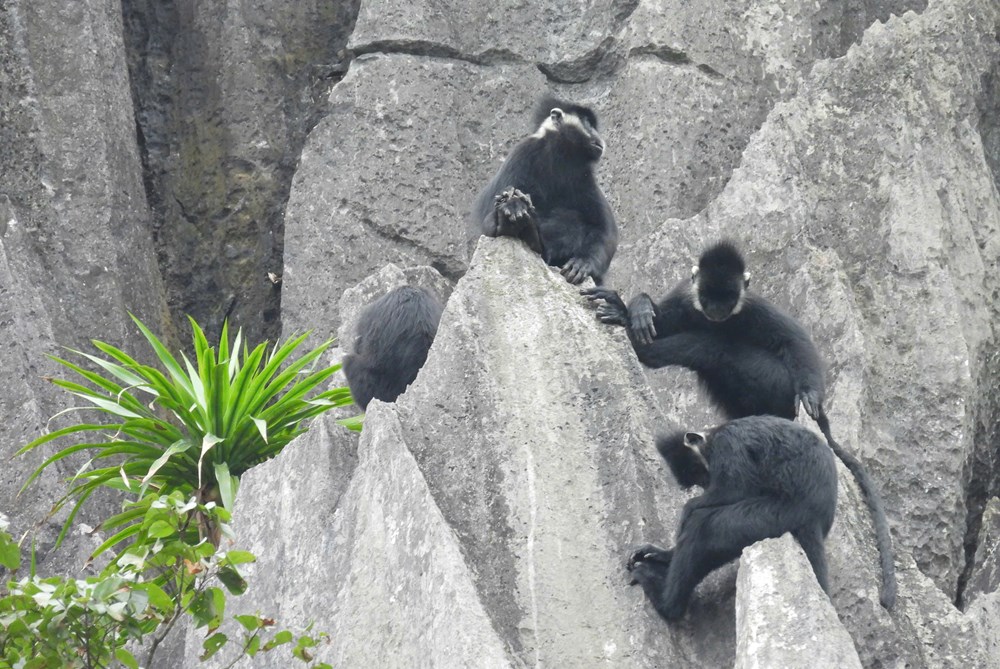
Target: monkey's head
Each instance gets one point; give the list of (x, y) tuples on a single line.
[(572, 127), (697, 441), (720, 280)]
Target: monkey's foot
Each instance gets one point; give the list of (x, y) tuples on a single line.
[(811, 402), (649, 553), (577, 269), (648, 567), (514, 207)]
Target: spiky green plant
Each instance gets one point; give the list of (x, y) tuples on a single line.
[(199, 426)]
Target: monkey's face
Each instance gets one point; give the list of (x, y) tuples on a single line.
[(718, 297), (575, 128)]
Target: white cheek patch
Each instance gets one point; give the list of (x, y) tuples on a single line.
[(549, 125), (696, 450), (739, 303), (696, 303)]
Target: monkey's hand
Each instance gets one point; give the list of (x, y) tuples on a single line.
[(640, 319), (577, 269), (514, 207), (613, 311), (811, 400)]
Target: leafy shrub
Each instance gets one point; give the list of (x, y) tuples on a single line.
[(136, 601), (193, 428)]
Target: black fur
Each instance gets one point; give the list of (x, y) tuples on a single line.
[(756, 361), (763, 476), (546, 194), (393, 336)]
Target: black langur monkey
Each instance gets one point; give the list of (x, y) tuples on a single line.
[(751, 358), (394, 334), (546, 194), (763, 476)]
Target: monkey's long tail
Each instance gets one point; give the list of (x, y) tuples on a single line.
[(882, 538)]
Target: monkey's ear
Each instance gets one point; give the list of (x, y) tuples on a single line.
[(694, 440), (694, 273), (746, 279)]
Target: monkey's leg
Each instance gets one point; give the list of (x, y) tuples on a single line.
[(712, 536), (811, 540)]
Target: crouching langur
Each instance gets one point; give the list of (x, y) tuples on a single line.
[(750, 357), (763, 476), (546, 194), (394, 334)]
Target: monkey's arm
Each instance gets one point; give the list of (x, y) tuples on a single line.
[(642, 314), (587, 238), (595, 263), (783, 335)]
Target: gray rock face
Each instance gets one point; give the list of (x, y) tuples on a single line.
[(75, 247), (225, 93), (783, 618), (985, 573), (285, 515)]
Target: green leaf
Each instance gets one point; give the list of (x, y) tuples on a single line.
[(208, 607), (250, 623), (234, 582), (212, 645), (207, 442), (10, 552), (354, 423), (261, 427), (126, 658), (178, 446), (160, 529), (167, 360), (158, 597), (253, 645), (228, 485), (240, 557), (109, 406), (282, 637)]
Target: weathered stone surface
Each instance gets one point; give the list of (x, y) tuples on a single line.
[(985, 574), (783, 618), (75, 247), (566, 45), (984, 614), (225, 94), (392, 587)]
